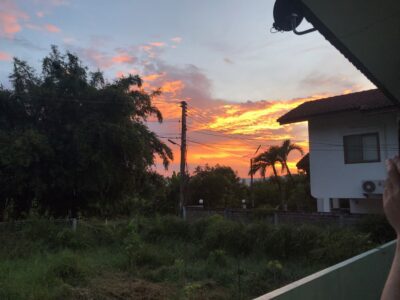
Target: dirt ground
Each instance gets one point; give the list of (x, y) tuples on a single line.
[(122, 287)]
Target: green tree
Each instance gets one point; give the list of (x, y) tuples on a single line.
[(218, 186), (70, 140)]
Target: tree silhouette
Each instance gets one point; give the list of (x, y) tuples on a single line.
[(70, 140), (285, 149)]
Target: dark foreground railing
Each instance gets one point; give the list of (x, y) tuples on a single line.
[(361, 277)]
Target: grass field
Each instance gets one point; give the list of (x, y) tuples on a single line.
[(164, 258)]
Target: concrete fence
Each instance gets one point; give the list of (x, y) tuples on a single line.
[(193, 213)]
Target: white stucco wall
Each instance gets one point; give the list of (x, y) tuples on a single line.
[(330, 176)]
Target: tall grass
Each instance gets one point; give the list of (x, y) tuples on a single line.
[(212, 258)]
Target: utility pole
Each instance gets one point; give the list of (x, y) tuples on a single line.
[(251, 183), (183, 158)]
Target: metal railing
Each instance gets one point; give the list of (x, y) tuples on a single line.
[(360, 277)]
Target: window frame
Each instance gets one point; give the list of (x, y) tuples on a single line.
[(345, 149)]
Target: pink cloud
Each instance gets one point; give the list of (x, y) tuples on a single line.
[(121, 74), (46, 27), (10, 18), (176, 39), (51, 28), (52, 2), (40, 14), (5, 56)]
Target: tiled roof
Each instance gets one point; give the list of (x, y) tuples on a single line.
[(360, 101)]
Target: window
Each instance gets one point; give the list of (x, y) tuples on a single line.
[(361, 148)]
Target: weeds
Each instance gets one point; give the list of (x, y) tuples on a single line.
[(212, 258)]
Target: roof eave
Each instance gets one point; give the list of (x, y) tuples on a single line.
[(324, 30)]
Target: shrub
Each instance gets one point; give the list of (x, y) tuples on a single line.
[(166, 227), (198, 228), (263, 212), (150, 257), (67, 267), (226, 235), (274, 268), (279, 241), (377, 227), (337, 245), (257, 234), (217, 258), (191, 290), (304, 239)]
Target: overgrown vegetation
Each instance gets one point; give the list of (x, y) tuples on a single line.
[(165, 258)]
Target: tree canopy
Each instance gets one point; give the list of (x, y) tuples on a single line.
[(70, 140), (218, 186)]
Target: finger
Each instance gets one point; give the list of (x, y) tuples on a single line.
[(396, 162), (388, 190), (393, 174)]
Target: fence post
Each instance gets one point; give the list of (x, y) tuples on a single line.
[(341, 221), (184, 213), (275, 218), (74, 224)]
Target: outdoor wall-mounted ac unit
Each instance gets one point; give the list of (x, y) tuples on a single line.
[(373, 186)]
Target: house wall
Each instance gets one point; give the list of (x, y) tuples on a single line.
[(366, 206), (330, 176)]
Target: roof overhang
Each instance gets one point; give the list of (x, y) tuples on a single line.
[(367, 32)]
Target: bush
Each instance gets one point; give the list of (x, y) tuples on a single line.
[(378, 228), (217, 258), (226, 235), (166, 227), (264, 212), (337, 245)]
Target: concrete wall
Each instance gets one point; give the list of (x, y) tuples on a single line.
[(193, 213), (330, 176), (361, 277), (366, 206)]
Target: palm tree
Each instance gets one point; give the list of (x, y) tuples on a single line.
[(267, 159), (285, 149)]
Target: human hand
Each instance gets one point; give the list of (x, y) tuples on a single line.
[(391, 194)]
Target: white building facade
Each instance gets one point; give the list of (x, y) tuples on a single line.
[(348, 149)]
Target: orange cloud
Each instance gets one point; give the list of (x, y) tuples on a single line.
[(253, 118), (5, 56), (172, 87), (51, 28), (157, 44), (123, 59), (219, 132), (153, 77)]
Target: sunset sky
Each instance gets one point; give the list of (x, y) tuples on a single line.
[(218, 55)]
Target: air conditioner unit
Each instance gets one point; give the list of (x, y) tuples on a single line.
[(373, 186)]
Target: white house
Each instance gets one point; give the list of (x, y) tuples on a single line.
[(350, 137)]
